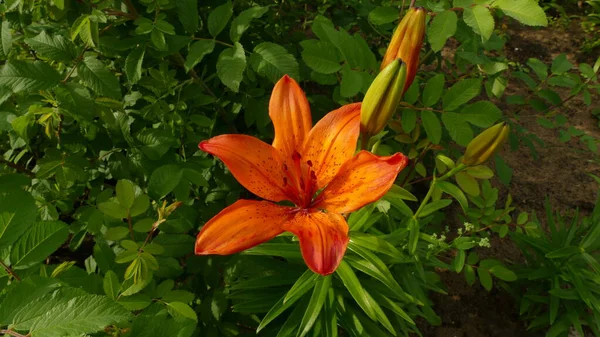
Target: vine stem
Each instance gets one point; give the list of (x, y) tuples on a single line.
[(10, 271), (17, 167)]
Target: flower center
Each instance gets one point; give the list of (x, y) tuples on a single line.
[(300, 179)]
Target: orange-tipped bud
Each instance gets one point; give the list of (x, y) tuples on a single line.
[(483, 147), (406, 43), (382, 98)]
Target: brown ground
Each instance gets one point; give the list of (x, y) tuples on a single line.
[(560, 173)]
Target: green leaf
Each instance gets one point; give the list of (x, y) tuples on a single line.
[(18, 213), (55, 48), (432, 126), (563, 252), (539, 67), (351, 82), (133, 65), (113, 209), (527, 12), (503, 273), (455, 192), (198, 50), (125, 193), (433, 90), (28, 76), (179, 308), (111, 285), (458, 128), (467, 183), (5, 37), (382, 15), (273, 61), (561, 65), (94, 74), (481, 20), (315, 305), (218, 18), (140, 205), (38, 242), (164, 180), (469, 275), (482, 114), (187, 11), (485, 278), (158, 40), (434, 206), (480, 172), (231, 65), (19, 295), (307, 277), (348, 277), (242, 22), (80, 315), (321, 56), (413, 235), (460, 93), (442, 27)]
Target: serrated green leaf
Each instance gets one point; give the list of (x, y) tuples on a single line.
[(273, 61), (164, 180), (458, 128), (442, 27), (539, 67), (460, 93), (133, 65), (5, 38), (28, 76), (38, 242), (97, 77), (321, 56), (178, 308), (198, 50), (481, 20), (242, 21), (561, 65), (231, 65), (351, 82), (56, 48), (432, 126), (19, 295), (187, 11), (527, 12), (111, 285), (219, 17), (18, 213)]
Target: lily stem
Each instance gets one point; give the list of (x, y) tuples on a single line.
[(432, 185)]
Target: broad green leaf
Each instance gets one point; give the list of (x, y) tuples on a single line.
[(219, 17), (409, 120), (527, 12), (351, 82), (460, 93), (38, 242), (433, 90), (242, 22), (5, 37), (97, 77), (158, 40), (561, 65), (28, 76), (434, 206), (187, 11), (348, 277), (179, 308), (455, 192), (485, 278), (481, 20), (164, 180), (231, 65), (480, 172), (20, 294), (135, 302), (503, 273), (482, 114), (539, 67), (442, 27), (125, 193), (504, 171), (113, 209), (111, 285), (350, 47), (382, 15), (315, 305), (321, 56), (140, 205), (458, 128), (133, 65), (273, 61), (198, 50), (80, 315), (469, 275), (18, 213), (467, 183), (432, 126), (55, 48)]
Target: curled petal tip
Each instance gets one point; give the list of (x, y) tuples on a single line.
[(202, 145)]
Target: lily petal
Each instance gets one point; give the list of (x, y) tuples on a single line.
[(254, 163), (361, 180), (290, 113), (332, 142), (243, 225), (323, 239)]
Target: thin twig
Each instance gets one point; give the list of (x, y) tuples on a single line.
[(131, 8), (10, 271), (12, 333), (17, 167)]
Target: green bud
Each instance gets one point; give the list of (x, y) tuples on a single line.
[(382, 98), (483, 147)]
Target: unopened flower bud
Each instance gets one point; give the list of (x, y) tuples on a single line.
[(382, 98), (406, 42), (483, 147)]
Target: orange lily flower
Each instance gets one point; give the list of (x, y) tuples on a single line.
[(301, 162)]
